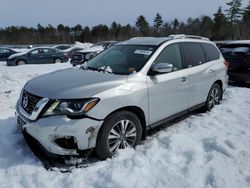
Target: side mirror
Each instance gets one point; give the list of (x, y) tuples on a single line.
[(161, 68)]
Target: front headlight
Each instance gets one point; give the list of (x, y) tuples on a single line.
[(71, 107)]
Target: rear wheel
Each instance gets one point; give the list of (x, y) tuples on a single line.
[(58, 60), (214, 97), (119, 131), (20, 62)]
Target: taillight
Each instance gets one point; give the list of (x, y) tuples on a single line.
[(226, 63)]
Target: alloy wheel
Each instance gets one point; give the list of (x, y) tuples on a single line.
[(214, 98), (122, 135)]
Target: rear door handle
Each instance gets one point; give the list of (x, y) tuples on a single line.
[(211, 70), (184, 79)]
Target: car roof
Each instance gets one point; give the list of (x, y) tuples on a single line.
[(154, 41), (35, 48), (239, 42)]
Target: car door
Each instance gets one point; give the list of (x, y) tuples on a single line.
[(35, 56), (49, 55), (202, 72), (168, 93)]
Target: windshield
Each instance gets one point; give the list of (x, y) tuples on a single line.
[(122, 59)]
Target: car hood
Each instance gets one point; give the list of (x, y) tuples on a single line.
[(73, 83), (18, 54)]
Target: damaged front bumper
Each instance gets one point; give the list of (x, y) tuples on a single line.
[(60, 135)]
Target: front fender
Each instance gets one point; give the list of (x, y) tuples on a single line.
[(125, 95)]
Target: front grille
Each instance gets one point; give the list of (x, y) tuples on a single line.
[(78, 57), (29, 101)]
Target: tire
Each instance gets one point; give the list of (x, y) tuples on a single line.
[(111, 137), (58, 60), (214, 97), (20, 62)]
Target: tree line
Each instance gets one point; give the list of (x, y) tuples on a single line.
[(230, 24)]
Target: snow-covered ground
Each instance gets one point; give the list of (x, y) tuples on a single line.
[(209, 150)]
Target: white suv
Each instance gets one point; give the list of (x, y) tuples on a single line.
[(117, 96)]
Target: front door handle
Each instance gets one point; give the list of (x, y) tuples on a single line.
[(211, 70)]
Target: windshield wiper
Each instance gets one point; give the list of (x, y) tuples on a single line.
[(96, 69)]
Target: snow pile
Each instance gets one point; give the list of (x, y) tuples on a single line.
[(20, 49), (204, 150), (85, 45)]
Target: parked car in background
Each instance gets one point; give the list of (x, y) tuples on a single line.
[(237, 53), (41, 55), (80, 57), (62, 46), (112, 101), (5, 53), (221, 43), (71, 50)]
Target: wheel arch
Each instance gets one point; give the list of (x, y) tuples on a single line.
[(138, 112), (21, 59), (220, 83), (58, 58)]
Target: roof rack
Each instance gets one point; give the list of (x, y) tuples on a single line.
[(183, 36)]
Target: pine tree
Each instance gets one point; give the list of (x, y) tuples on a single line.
[(246, 13), (157, 23), (206, 25), (142, 25), (220, 25), (246, 21), (234, 12), (176, 25)]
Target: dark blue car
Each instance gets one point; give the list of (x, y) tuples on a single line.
[(43, 55), (5, 53)]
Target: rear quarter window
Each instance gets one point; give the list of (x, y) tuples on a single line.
[(193, 54), (211, 51)]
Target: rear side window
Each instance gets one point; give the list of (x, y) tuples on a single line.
[(193, 54), (211, 51)]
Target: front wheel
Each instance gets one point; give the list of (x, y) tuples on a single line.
[(214, 97), (58, 60), (20, 62), (119, 131)]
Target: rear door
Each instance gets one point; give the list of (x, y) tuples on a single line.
[(201, 70), (168, 93), (48, 55)]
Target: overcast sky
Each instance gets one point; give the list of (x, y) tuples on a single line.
[(93, 12)]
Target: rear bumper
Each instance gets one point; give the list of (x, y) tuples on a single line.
[(233, 76)]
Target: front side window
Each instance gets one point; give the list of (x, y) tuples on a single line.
[(46, 51), (34, 52), (122, 59), (193, 54), (172, 55)]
